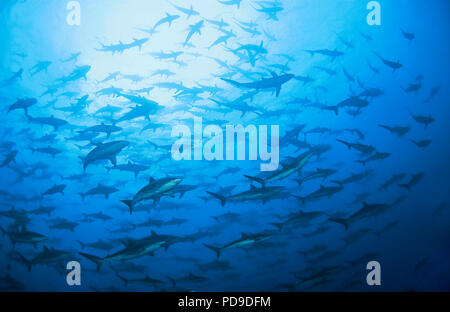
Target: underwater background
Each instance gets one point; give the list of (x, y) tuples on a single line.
[(367, 105)]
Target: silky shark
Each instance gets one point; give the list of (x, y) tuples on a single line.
[(275, 82)]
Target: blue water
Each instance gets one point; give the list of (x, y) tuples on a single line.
[(414, 254)]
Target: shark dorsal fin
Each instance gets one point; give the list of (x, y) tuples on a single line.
[(321, 186), (365, 204), (252, 187), (45, 248), (129, 162), (152, 233)]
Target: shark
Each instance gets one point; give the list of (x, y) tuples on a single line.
[(24, 236), (187, 11), (47, 256), (391, 64), (367, 211), (300, 218), (294, 166), (362, 148), (100, 189), (24, 104), (255, 193), (154, 190), (194, 29), (134, 248), (169, 19), (323, 191), (331, 53), (244, 241), (105, 151), (275, 82), (40, 66), (130, 167), (397, 130)]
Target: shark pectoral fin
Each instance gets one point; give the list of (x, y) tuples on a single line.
[(113, 160), (278, 89)]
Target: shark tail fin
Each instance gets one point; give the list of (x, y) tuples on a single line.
[(83, 196), (97, 260), (342, 221), (81, 244), (129, 203), (222, 199), (25, 261), (256, 179), (215, 249)]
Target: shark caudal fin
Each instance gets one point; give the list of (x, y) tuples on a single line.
[(83, 245), (25, 261), (342, 221), (222, 199), (129, 203), (256, 179), (215, 249), (97, 260), (83, 196)]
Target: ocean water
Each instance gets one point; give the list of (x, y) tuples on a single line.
[(58, 80)]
